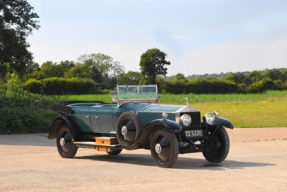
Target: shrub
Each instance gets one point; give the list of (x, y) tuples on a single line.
[(260, 86), (33, 86), (23, 112), (26, 115), (59, 86), (211, 85)]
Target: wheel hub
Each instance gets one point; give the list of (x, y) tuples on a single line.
[(124, 130), (62, 142), (157, 148)]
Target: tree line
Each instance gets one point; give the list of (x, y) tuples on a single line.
[(98, 73)]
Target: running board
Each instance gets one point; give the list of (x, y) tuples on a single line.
[(93, 144)]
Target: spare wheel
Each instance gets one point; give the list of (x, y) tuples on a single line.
[(128, 128)]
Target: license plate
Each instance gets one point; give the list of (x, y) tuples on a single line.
[(194, 133)]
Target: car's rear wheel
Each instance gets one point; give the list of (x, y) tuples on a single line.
[(164, 148), (65, 145), (128, 128), (221, 147), (115, 152)]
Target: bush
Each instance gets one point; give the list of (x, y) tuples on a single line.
[(59, 86), (202, 85), (21, 111), (26, 115), (33, 86), (260, 86)]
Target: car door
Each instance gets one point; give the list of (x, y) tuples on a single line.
[(81, 116), (102, 118)]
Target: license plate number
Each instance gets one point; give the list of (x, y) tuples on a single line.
[(194, 133)]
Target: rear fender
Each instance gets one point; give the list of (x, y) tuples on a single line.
[(58, 122)]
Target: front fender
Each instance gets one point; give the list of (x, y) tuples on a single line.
[(58, 122), (168, 124), (149, 129), (222, 122)]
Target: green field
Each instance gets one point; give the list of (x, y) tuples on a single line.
[(244, 110)]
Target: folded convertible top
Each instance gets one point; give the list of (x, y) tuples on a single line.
[(61, 106)]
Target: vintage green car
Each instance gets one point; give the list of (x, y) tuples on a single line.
[(137, 121)]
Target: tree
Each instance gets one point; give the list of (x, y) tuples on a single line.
[(152, 65), (16, 24), (180, 76), (104, 64), (130, 78), (67, 65), (86, 70), (273, 74), (255, 76), (238, 78)]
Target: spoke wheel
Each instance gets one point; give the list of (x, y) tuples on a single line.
[(221, 152), (164, 148), (65, 145), (128, 128)]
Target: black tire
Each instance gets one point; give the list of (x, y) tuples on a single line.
[(66, 149), (133, 128), (164, 148), (115, 152), (220, 153)]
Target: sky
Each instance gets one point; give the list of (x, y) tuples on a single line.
[(198, 37)]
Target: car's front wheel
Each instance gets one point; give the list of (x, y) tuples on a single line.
[(220, 147), (65, 145), (164, 148)]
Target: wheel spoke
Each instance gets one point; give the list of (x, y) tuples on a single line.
[(68, 143), (131, 130), (164, 155)]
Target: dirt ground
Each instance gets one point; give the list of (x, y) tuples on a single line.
[(257, 161)]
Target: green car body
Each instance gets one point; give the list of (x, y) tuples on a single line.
[(138, 121), (103, 118)]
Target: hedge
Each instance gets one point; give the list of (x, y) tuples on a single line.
[(201, 85), (59, 86)]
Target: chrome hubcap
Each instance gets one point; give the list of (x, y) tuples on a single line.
[(157, 148), (124, 130), (62, 142)]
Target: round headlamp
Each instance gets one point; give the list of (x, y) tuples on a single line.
[(185, 120), (216, 113), (209, 118)]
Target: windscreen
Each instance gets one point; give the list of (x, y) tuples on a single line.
[(137, 92)]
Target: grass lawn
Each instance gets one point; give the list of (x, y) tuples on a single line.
[(267, 113), (243, 110)]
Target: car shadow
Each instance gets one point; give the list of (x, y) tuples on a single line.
[(181, 163)]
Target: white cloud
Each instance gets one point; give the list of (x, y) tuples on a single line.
[(233, 57)]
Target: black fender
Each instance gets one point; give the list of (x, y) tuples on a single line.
[(166, 123), (148, 130), (58, 122), (222, 122)]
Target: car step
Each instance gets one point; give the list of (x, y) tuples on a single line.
[(101, 144)]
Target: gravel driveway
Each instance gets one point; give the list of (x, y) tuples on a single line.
[(257, 162)]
